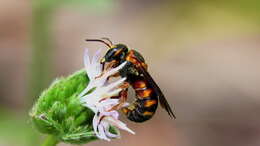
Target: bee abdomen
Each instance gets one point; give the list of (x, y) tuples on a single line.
[(145, 105), (141, 110)]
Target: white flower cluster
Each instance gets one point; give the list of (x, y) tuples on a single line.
[(99, 100)]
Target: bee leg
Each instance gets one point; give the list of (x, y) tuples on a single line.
[(114, 75), (109, 66), (122, 94), (125, 85), (122, 98)]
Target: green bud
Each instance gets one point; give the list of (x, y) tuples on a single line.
[(58, 110)]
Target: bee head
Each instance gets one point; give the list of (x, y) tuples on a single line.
[(115, 53)]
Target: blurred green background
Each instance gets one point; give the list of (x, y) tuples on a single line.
[(204, 55)]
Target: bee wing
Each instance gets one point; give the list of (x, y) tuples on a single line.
[(163, 102), (143, 69)]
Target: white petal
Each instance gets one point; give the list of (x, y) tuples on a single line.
[(101, 81), (101, 133), (86, 58), (109, 102), (114, 92), (119, 124), (95, 123), (94, 67), (87, 64), (90, 98), (115, 114), (108, 133), (85, 90), (114, 84), (112, 135), (101, 92), (91, 106), (95, 63), (96, 57), (114, 70)]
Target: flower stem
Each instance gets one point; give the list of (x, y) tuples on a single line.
[(42, 46), (50, 141)]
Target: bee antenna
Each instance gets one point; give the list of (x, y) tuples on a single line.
[(107, 39), (99, 40)]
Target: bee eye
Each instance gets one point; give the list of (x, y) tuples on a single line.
[(109, 55)]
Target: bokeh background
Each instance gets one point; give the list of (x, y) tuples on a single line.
[(204, 54)]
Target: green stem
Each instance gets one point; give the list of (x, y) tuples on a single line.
[(50, 141), (42, 47)]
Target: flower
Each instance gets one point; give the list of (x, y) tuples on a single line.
[(99, 101)]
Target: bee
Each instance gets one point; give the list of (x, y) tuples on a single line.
[(146, 90)]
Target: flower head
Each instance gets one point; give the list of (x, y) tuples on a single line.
[(96, 96)]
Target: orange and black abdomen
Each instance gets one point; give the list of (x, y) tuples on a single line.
[(145, 105)]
